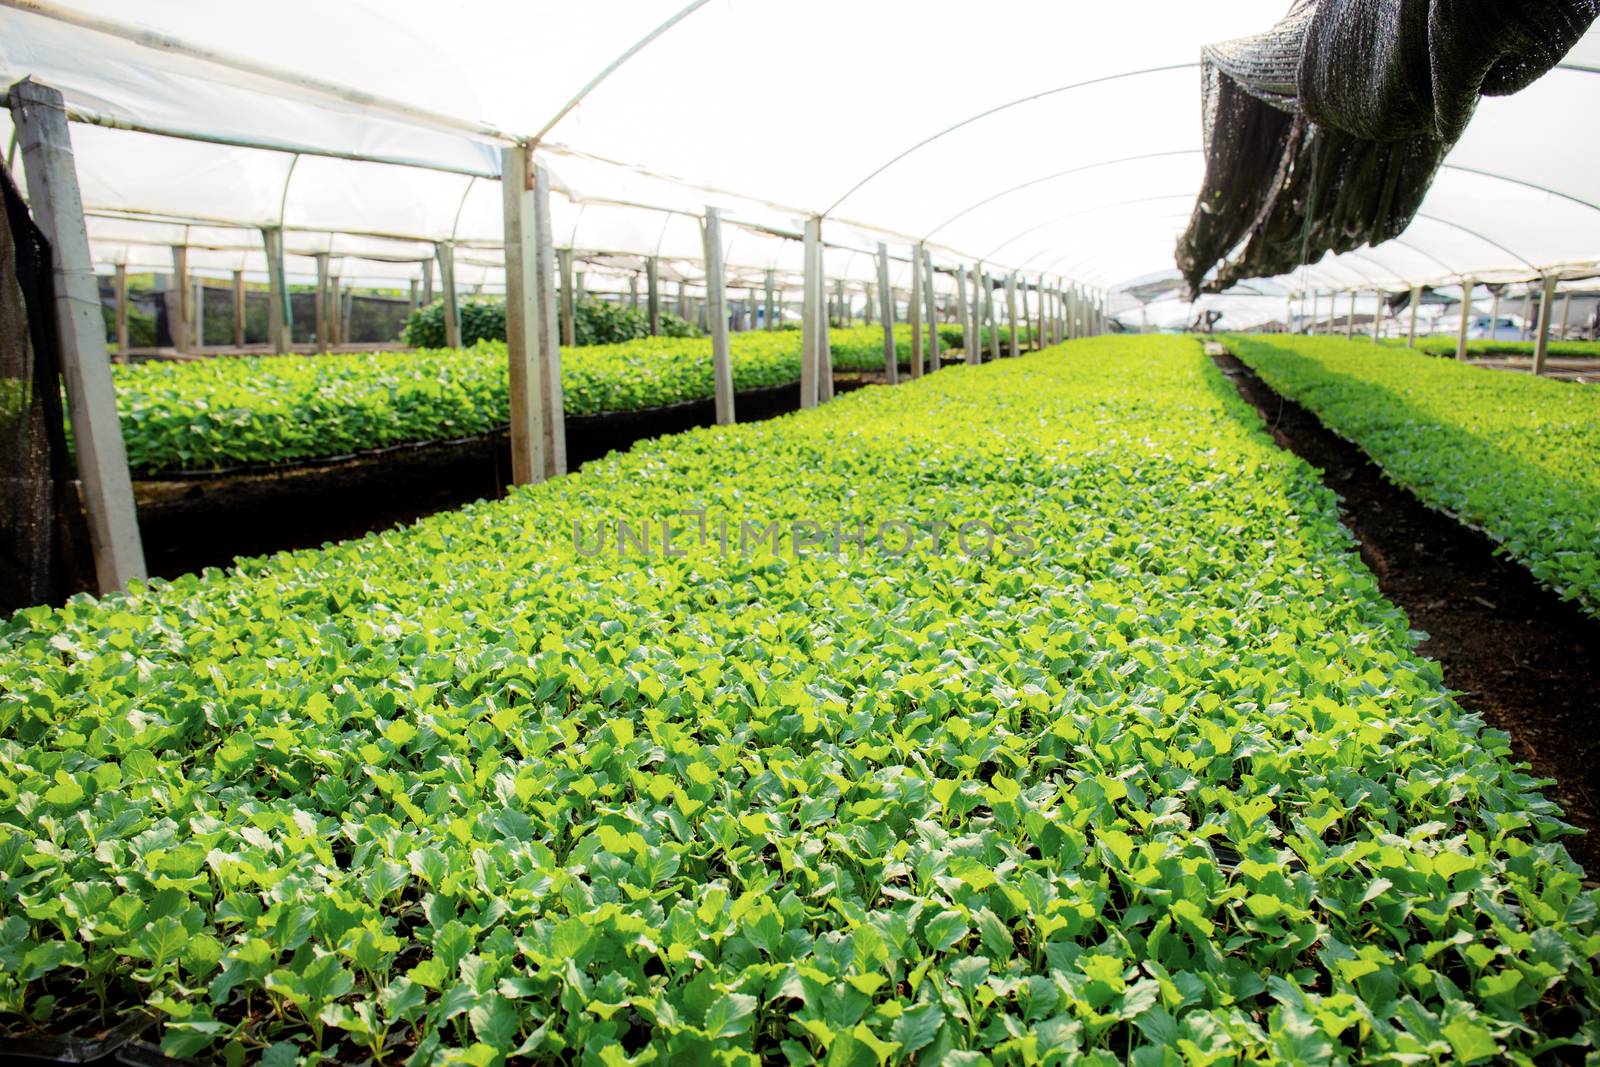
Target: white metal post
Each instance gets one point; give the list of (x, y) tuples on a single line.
[(335, 312), (961, 314), (717, 313), (652, 282), (1011, 314), (1566, 314), (771, 295), (811, 311), (569, 298), (891, 355), (320, 304), (413, 296), (555, 413), (1377, 314), (1527, 312), (524, 325), (1466, 318), (427, 283), (1350, 318), (445, 253), (1316, 299), (39, 117), (992, 314), (932, 298), (120, 287), (914, 311), (1541, 343), (1411, 329), (280, 313)]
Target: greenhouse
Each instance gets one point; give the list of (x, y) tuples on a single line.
[(755, 533)]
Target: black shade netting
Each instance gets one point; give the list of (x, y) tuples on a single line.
[(41, 521), (1324, 133)]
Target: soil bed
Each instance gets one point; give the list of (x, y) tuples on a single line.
[(188, 524), (1514, 650)]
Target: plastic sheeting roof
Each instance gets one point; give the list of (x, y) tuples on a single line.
[(1083, 165)]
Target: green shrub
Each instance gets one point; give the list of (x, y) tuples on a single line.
[(597, 322)]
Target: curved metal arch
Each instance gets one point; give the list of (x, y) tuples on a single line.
[(1524, 183), (1084, 211), (1474, 233), (611, 68), (1059, 174), (996, 110)]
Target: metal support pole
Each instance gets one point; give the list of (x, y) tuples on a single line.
[(1011, 314), (961, 314), (633, 291), (445, 252), (1566, 314), (1316, 299), (717, 311), (120, 288), (1377, 315), (932, 298), (320, 304), (652, 282), (1411, 330), (1466, 318), (1541, 343), (427, 283), (555, 412), (811, 314), (39, 116), (914, 310), (580, 291), (524, 325), (569, 298), (238, 309), (180, 317), (1350, 318), (992, 314), (335, 313), (683, 300), (413, 296), (280, 313), (1494, 312), (771, 322), (1527, 313), (891, 356)]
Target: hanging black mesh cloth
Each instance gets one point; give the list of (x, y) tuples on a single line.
[(1324, 133), (41, 521)]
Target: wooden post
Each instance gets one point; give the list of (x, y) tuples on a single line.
[(555, 417), (320, 304), (524, 323), (914, 311), (771, 294), (179, 317), (717, 312), (1466, 318), (569, 298), (1011, 314), (652, 281), (891, 356), (120, 287), (1411, 330), (197, 339), (932, 298), (445, 252), (812, 314), (1541, 342), (39, 117), (280, 313)]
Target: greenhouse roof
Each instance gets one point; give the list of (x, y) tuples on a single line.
[(1051, 139)]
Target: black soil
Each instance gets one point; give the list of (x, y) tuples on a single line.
[(188, 525), (1515, 651)]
